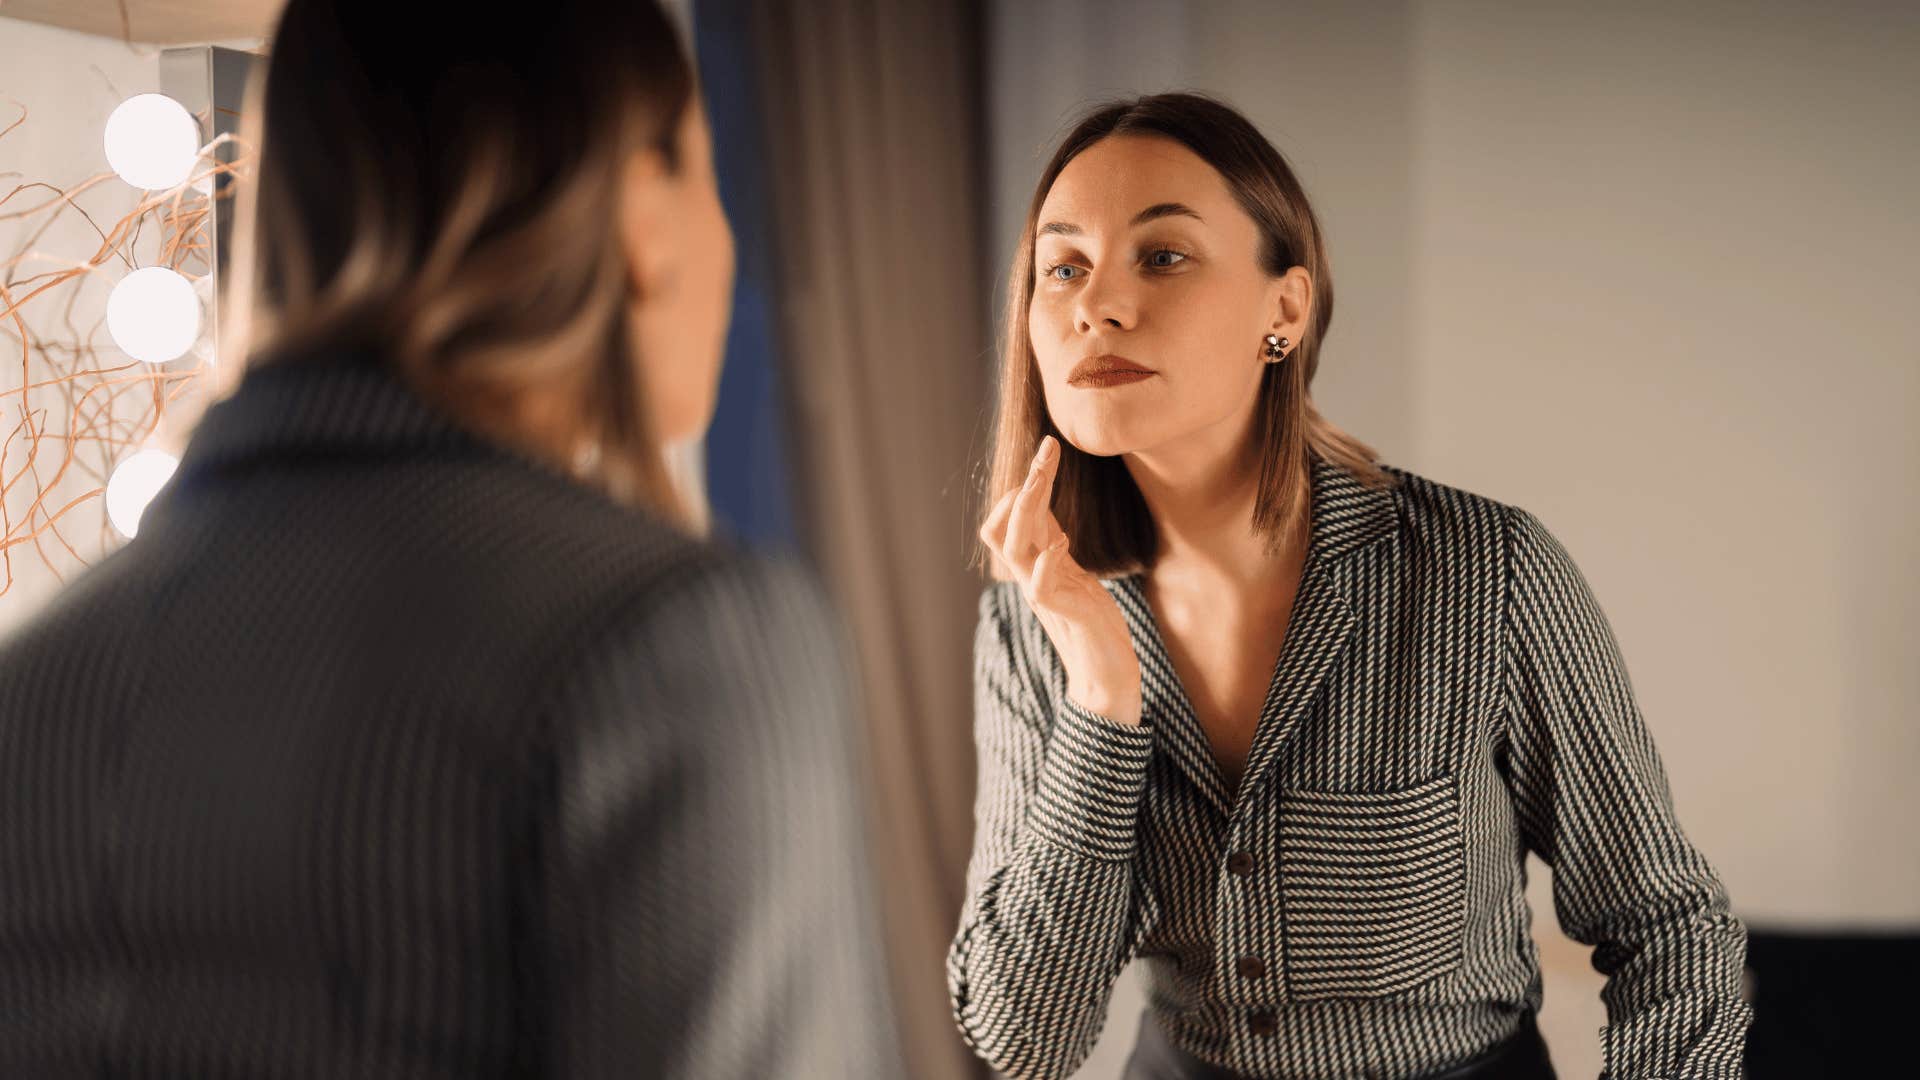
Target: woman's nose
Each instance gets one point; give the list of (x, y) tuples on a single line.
[(1105, 304)]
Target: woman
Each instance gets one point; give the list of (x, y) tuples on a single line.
[(417, 733), (1279, 719)]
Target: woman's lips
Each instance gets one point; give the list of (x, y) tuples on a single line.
[(1106, 369), (1099, 379)]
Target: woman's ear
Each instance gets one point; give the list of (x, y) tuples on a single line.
[(1292, 300), (646, 205)]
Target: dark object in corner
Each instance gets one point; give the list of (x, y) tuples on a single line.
[(1829, 1004)]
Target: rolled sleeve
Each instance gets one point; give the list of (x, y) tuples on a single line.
[(1592, 799)]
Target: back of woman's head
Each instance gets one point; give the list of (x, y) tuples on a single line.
[(444, 194)]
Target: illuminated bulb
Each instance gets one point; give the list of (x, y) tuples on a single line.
[(154, 314), (152, 141), (133, 485)]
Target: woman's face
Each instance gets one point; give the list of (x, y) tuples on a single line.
[(680, 253), (1143, 255)]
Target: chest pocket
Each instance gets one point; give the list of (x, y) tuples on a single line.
[(1374, 888)]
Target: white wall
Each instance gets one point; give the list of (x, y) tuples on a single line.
[(1640, 269), (1661, 292), (68, 83)]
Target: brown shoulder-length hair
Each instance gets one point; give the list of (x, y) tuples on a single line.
[(443, 194), (1108, 526)]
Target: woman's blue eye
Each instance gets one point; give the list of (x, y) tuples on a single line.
[(1055, 272), (1172, 258)]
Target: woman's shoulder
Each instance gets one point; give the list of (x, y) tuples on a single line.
[(1003, 610), (773, 588), (714, 612), (1426, 498), (692, 580), (1469, 529), (1010, 642), (575, 542), (1453, 518)]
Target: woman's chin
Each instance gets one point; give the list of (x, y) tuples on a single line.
[(1100, 440)]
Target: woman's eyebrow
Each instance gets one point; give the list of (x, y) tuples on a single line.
[(1151, 213)]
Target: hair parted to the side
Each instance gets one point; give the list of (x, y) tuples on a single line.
[(1108, 526), (443, 194)]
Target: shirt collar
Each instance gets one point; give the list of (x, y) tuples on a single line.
[(1347, 514), (344, 401)]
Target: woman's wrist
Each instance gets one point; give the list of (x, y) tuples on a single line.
[(1118, 708)]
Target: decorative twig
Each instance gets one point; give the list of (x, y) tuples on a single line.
[(69, 420)]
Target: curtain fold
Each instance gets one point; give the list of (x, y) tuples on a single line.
[(874, 127)]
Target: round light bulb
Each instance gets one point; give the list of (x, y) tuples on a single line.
[(154, 314), (152, 141), (133, 485)]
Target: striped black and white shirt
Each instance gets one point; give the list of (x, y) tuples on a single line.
[(1449, 697), (384, 751)]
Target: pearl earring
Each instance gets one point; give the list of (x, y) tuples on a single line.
[(1276, 348)]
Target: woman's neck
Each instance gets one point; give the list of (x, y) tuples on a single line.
[(1201, 494)]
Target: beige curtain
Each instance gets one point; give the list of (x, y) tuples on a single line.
[(877, 183)]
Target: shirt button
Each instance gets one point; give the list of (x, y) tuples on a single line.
[(1240, 864), (1263, 1023), (1251, 967)]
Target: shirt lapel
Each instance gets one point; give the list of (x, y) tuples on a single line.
[(1163, 702), (1346, 516)]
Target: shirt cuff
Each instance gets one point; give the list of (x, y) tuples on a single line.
[(1091, 784)]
